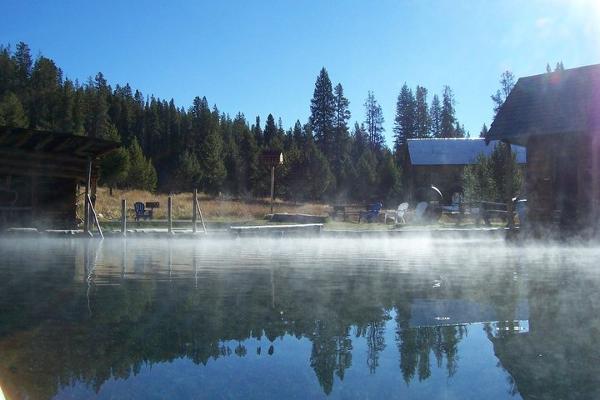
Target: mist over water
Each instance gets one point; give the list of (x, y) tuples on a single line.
[(298, 318)]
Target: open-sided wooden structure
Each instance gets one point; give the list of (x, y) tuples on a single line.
[(441, 162), (40, 174), (557, 117)]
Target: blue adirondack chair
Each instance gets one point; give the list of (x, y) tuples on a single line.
[(372, 212), (141, 212)]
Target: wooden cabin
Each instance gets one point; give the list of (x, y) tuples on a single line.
[(440, 162), (556, 116), (43, 176)]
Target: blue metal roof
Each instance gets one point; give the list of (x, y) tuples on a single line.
[(455, 151)]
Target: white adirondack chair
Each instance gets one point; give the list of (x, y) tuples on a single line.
[(400, 213)]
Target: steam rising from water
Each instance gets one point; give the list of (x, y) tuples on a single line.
[(380, 317)]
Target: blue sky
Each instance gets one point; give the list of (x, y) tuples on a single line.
[(261, 57)]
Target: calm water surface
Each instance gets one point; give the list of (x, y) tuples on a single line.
[(298, 319)]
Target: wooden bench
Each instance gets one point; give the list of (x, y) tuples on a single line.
[(346, 211)]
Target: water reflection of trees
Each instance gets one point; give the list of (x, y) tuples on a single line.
[(48, 339)]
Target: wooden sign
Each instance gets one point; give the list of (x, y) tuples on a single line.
[(271, 158)]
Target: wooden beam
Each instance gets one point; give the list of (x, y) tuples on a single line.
[(42, 155), (92, 210), (86, 208), (509, 186), (24, 168), (5, 170)]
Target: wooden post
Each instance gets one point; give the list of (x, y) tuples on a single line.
[(170, 213), (92, 212), (272, 186), (86, 207), (509, 187), (201, 217), (124, 217), (195, 210)]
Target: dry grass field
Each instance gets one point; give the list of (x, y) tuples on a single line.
[(213, 209)]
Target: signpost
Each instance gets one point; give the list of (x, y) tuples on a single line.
[(272, 158)]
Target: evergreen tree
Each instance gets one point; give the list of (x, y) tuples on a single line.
[(257, 131), (298, 134), (11, 112), (485, 180), (187, 175), (322, 113), (435, 118), (507, 82), (270, 131), (366, 171), (460, 131), (405, 120), (318, 176), (374, 122), (448, 118), (559, 66), (422, 121), (97, 117), (211, 162), (114, 166), (340, 161), (390, 180), (23, 64), (248, 151), (45, 95), (483, 132), (142, 174), (360, 140), (65, 121)]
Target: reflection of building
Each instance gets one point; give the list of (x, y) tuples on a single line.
[(432, 312), (440, 162), (557, 117), (558, 357), (40, 173)]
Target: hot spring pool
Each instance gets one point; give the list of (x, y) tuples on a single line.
[(298, 318)]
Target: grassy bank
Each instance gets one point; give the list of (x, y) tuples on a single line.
[(213, 209), (223, 211)]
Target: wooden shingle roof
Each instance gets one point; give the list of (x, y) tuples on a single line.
[(35, 141), (561, 102)]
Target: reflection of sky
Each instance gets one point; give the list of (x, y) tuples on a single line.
[(287, 374)]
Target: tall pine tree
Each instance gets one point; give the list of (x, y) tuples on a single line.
[(448, 118), (322, 113), (374, 122), (404, 121), (435, 117), (421, 113)]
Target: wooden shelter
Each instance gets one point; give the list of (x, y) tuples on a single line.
[(556, 116), (440, 163), (41, 174)]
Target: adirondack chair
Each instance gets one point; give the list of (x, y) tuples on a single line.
[(141, 212), (371, 213), (400, 213)]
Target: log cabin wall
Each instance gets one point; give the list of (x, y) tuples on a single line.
[(562, 181), (40, 173), (588, 178), (539, 182), (55, 203)]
